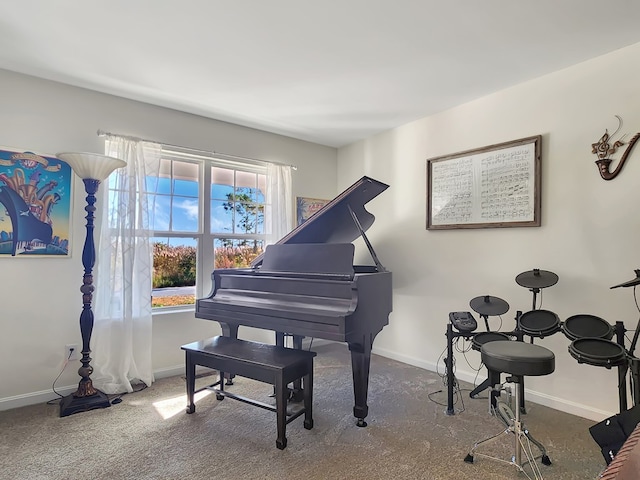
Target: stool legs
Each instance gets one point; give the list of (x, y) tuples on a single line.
[(515, 426), (517, 429)]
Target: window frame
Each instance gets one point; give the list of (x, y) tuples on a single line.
[(205, 239)]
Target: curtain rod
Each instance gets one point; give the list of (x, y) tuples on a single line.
[(102, 133)]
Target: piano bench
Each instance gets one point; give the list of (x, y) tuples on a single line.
[(271, 364)]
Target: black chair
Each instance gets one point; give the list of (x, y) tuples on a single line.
[(518, 359)]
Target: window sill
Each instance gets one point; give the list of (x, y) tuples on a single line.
[(160, 311)]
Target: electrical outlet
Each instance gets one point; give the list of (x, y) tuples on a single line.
[(72, 352)]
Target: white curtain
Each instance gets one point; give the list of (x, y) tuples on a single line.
[(124, 265), (279, 200)]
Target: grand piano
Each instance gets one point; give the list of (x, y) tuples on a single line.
[(306, 285)]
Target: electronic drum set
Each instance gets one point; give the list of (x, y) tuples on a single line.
[(591, 336)]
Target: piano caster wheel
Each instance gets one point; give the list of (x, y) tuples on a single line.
[(281, 444), (468, 458), (219, 396), (308, 424), (361, 423), (546, 460), (191, 408)]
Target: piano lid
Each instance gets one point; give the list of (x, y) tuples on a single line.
[(334, 223)]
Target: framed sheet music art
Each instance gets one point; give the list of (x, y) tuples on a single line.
[(493, 186)]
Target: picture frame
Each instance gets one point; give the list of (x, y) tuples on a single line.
[(35, 205), (306, 207), (493, 186)]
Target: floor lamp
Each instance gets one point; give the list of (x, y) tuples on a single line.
[(92, 168)]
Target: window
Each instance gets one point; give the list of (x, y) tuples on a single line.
[(208, 213)]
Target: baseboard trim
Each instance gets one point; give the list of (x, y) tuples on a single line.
[(33, 398), (169, 371), (540, 398), (43, 396), (307, 343)]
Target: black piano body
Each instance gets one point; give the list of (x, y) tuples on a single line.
[(306, 285)]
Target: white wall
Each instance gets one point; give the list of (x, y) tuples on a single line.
[(40, 299), (589, 235)]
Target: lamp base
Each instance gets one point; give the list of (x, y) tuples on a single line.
[(70, 404)]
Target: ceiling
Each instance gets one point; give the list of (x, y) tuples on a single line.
[(330, 72)]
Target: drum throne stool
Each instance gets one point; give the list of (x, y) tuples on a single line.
[(518, 359)]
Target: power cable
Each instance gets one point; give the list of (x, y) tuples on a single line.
[(53, 385)]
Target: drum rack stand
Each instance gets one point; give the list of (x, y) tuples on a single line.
[(451, 335), (492, 379), (535, 280), (632, 367)]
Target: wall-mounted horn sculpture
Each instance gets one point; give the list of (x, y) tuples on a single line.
[(604, 150)]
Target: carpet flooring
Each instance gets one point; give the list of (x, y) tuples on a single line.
[(148, 435)]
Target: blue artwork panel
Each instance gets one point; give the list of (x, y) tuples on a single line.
[(35, 204)]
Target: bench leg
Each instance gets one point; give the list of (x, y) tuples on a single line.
[(281, 412), (308, 397), (191, 383)]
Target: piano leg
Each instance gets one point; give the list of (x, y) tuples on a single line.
[(360, 361), (297, 394), (297, 340), (229, 331)]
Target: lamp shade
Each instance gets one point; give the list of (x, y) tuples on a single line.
[(91, 165)]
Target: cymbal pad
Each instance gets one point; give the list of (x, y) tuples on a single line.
[(537, 278), (488, 305)]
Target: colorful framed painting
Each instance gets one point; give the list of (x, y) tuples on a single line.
[(35, 205), (305, 207)]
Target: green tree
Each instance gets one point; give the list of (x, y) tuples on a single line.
[(248, 215)]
